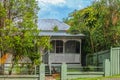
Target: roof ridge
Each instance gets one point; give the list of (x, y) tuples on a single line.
[(48, 24)]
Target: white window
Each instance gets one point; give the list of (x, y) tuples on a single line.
[(57, 46)]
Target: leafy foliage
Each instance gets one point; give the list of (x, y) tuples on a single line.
[(55, 29), (19, 34), (100, 23)]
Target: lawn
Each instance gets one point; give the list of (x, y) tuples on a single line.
[(100, 78)]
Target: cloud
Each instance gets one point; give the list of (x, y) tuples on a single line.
[(59, 9), (53, 2), (53, 12)]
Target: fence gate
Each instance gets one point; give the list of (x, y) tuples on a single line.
[(115, 61)]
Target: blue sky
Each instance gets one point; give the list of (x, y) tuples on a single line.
[(59, 9)]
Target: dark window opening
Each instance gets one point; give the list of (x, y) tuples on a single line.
[(57, 46), (72, 47)]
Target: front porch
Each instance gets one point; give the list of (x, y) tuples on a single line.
[(63, 51)]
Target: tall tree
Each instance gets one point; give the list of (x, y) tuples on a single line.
[(100, 23), (19, 35)]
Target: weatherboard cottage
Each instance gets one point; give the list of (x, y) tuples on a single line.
[(66, 48)]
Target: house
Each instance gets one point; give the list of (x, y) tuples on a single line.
[(66, 47)]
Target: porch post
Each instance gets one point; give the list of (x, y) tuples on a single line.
[(64, 41), (80, 51), (49, 62), (80, 48)]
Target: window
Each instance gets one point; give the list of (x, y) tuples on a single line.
[(57, 46), (72, 47)]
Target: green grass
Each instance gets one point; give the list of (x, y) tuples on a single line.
[(99, 78), (87, 79)]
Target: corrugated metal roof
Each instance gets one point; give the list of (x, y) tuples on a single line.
[(59, 34), (49, 24)]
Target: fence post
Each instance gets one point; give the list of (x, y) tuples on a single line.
[(64, 71), (35, 70), (42, 72), (107, 67)]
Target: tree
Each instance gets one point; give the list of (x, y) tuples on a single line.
[(19, 35), (100, 23)]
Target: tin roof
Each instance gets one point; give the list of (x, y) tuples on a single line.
[(46, 26), (49, 24)]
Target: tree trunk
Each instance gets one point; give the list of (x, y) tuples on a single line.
[(10, 72), (92, 44)]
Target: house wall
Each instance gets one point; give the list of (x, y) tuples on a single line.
[(16, 69)]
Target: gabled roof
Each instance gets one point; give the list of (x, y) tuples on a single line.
[(49, 24), (46, 26)]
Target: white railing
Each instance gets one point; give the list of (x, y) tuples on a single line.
[(64, 57)]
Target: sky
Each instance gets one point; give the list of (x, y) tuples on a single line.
[(59, 9)]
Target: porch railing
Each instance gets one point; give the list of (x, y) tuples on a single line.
[(64, 57)]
